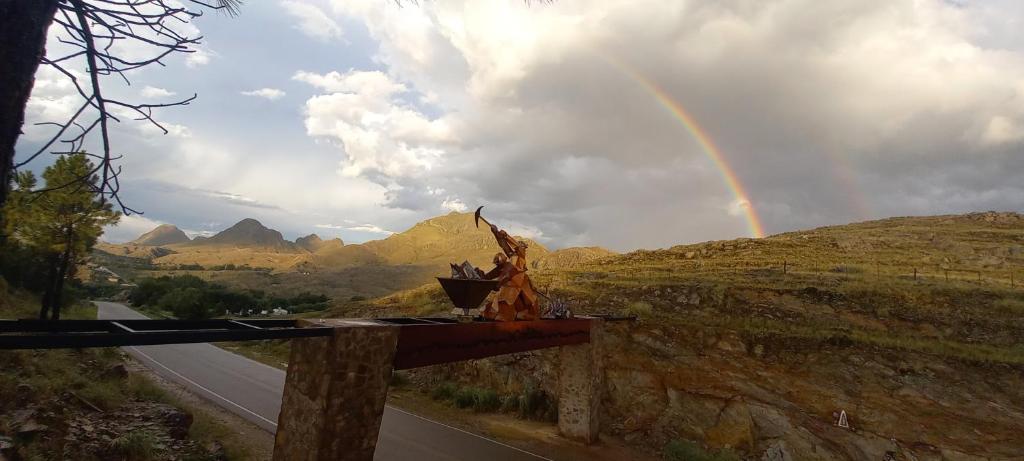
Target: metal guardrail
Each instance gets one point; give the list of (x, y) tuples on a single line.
[(47, 334), (446, 339)]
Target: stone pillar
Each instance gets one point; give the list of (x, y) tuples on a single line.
[(334, 393), (580, 385)]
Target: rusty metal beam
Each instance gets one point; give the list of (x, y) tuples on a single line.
[(423, 345)]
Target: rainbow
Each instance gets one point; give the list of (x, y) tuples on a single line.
[(704, 141)]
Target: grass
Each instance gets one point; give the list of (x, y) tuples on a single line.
[(271, 352), (685, 450), (137, 445)]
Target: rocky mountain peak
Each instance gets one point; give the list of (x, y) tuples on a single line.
[(249, 232), (164, 234)]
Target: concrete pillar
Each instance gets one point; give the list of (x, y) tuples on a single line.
[(334, 393), (580, 385)]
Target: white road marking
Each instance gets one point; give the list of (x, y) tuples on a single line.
[(470, 433), (136, 349)]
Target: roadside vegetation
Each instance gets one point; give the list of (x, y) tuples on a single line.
[(85, 404), (528, 403), (190, 297)]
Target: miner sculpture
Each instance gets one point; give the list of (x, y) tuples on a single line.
[(516, 299)]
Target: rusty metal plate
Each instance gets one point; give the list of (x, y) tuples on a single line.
[(467, 293), (422, 345)]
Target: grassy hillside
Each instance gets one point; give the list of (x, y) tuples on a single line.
[(567, 258), (754, 344), (436, 242)]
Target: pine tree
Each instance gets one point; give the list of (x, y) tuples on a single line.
[(60, 223)]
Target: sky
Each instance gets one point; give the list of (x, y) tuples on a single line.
[(621, 123)]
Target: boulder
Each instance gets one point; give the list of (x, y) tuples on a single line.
[(777, 452), (734, 429), (769, 422), (177, 421), (118, 371)]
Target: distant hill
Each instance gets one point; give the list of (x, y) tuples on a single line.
[(313, 243), (435, 242), (164, 234), (249, 233), (570, 257)]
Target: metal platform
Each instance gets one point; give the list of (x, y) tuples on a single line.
[(422, 340), (47, 334)]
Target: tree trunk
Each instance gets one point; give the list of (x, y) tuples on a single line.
[(23, 26), (44, 309), (58, 289), (65, 261)]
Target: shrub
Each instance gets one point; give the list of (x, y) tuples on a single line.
[(486, 400), (536, 404), (444, 391), (465, 397), (640, 309), (103, 393), (399, 379)]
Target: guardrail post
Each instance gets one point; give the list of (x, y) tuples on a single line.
[(335, 392), (580, 385)]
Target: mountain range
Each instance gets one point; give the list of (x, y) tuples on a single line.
[(430, 244)]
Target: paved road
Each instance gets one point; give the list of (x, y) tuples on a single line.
[(253, 390)]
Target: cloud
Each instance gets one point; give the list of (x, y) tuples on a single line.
[(266, 93), (374, 84), (567, 118), (383, 138), (129, 228), (200, 56), (153, 92), (174, 130), (454, 205), (313, 22), (371, 228), (552, 115), (237, 199)]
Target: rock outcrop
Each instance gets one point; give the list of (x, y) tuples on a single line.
[(313, 243)]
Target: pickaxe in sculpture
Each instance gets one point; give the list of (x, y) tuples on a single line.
[(478, 218)]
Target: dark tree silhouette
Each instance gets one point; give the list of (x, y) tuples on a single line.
[(89, 29)]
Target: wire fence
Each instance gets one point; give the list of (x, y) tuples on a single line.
[(922, 273)]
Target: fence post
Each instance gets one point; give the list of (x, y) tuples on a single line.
[(979, 276), (947, 274), (785, 267), (915, 273)]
